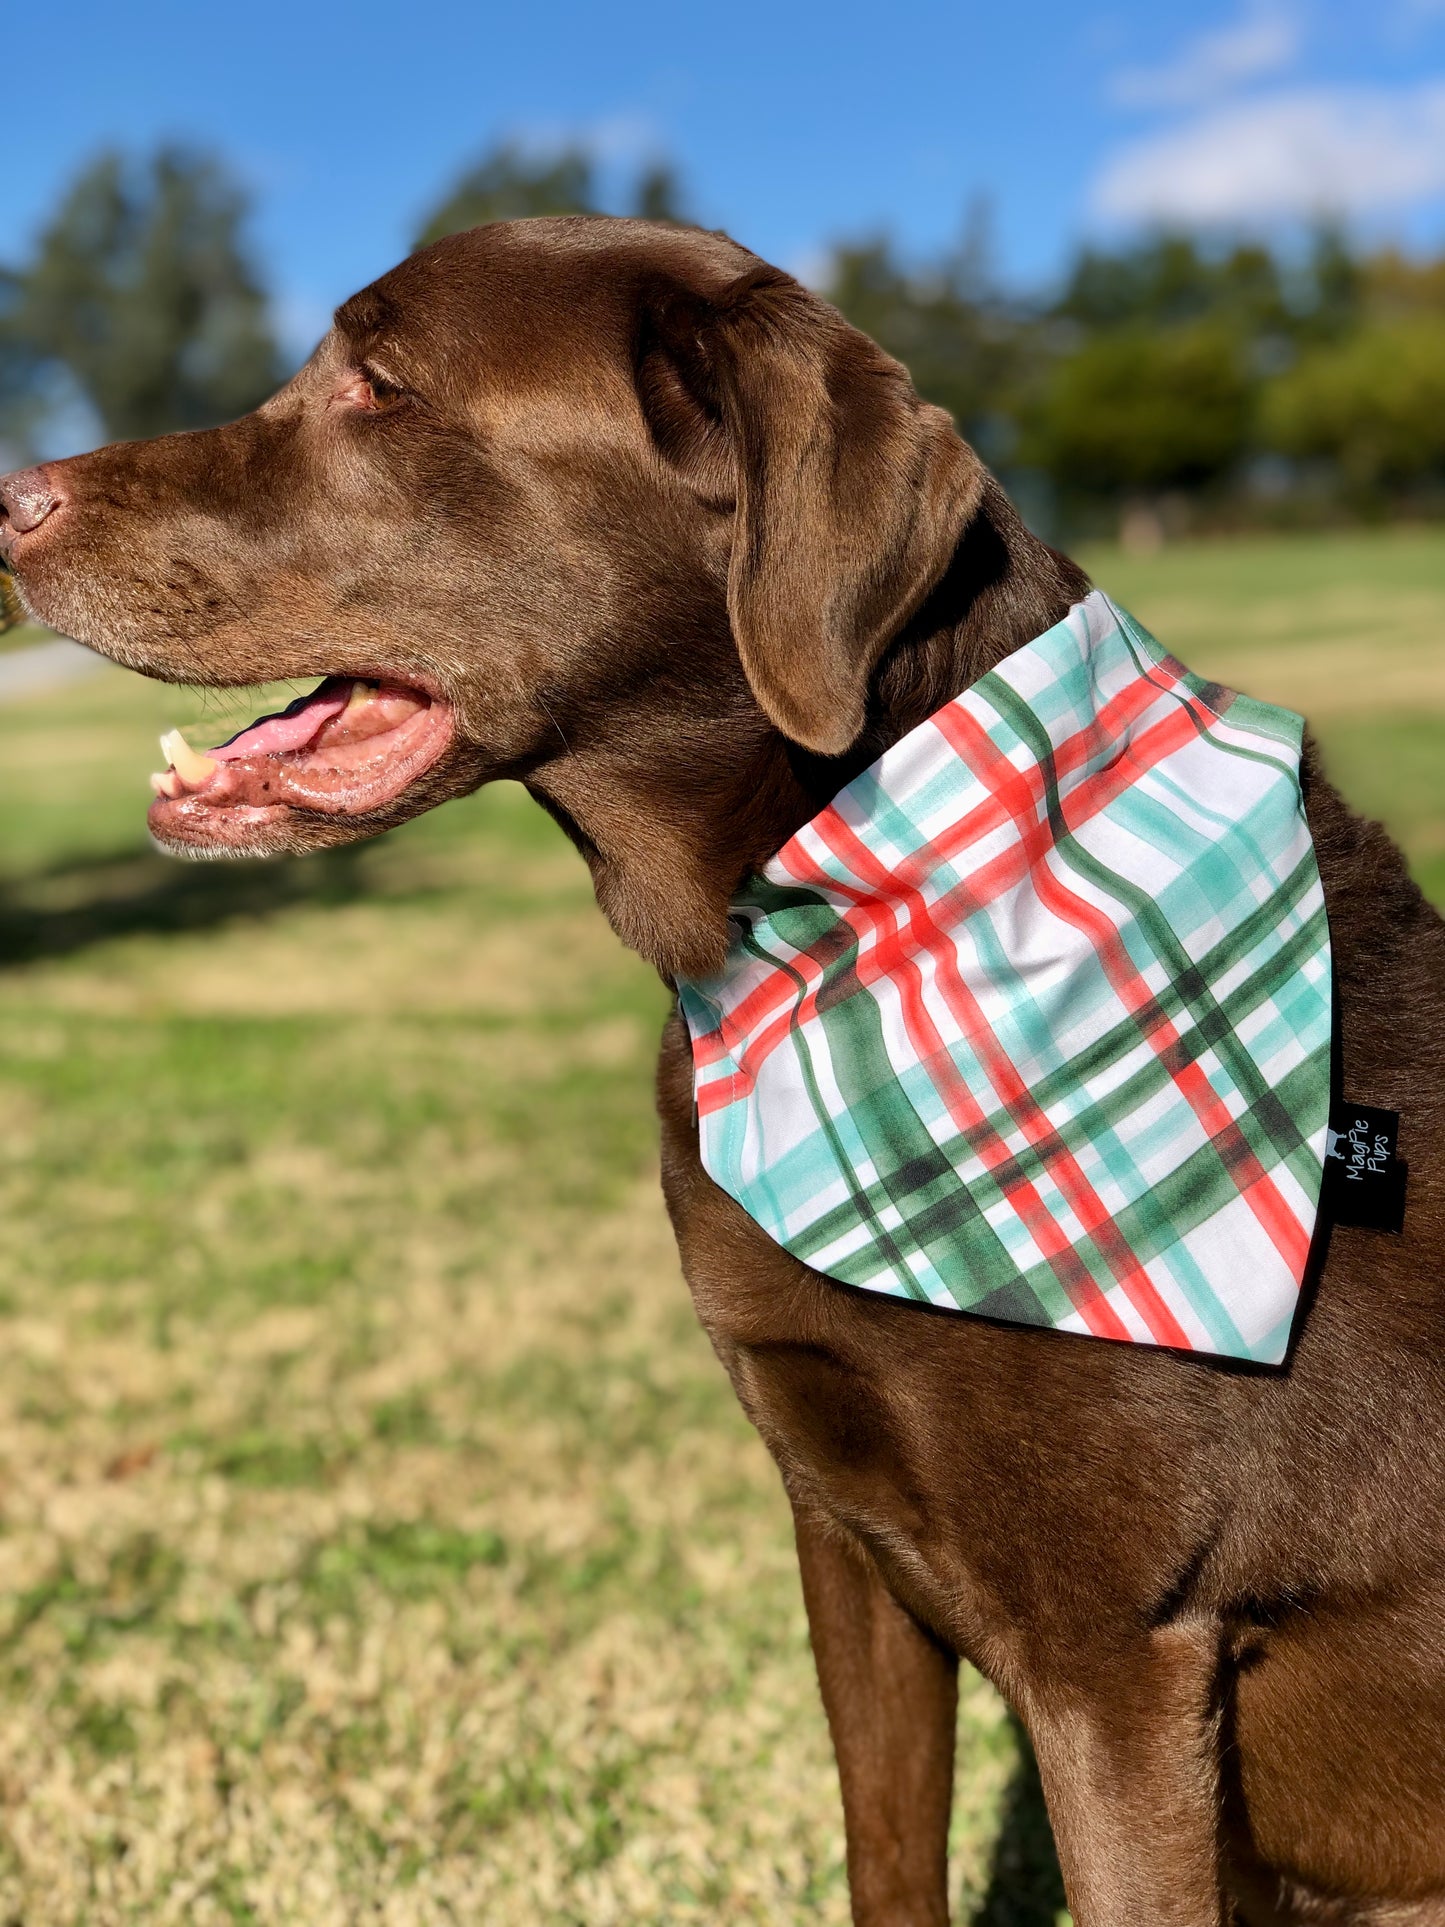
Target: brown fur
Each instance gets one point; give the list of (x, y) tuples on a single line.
[(685, 551)]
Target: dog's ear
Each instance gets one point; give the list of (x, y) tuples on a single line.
[(849, 494)]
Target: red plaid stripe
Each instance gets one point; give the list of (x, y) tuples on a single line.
[(1257, 1188), (762, 1022)]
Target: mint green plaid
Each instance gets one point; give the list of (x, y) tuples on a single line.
[(1033, 1020)]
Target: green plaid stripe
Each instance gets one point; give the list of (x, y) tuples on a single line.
[(1034, 1020)]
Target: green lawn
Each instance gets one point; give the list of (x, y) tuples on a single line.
[(379, 1540)]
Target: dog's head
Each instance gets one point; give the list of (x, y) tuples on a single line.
[(576, 501)]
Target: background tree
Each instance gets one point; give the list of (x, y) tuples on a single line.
[(1134, 413), (140, 291), (1372, 405), (510, 184), (22, 378), (1391, 284), (658, 196), (1168, 281), (1159, 355), (967, 348)]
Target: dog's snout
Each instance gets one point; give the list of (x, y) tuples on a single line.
[(26, 498)]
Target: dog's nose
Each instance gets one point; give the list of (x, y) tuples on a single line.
[(26, 498)]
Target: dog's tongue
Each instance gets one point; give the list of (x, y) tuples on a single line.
[(291, 728), (342, 727)]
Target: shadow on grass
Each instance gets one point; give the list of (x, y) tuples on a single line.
[(55, 912), (1025, 1888)]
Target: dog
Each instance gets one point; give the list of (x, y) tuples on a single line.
[(619, 511)]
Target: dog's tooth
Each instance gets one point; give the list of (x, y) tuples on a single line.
[(192, 769), (361, 692)]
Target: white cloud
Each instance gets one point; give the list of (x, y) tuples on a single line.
[(1265, 41), (1304, 151)]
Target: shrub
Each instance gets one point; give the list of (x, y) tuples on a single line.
[(1374, 404), (1138, 412)]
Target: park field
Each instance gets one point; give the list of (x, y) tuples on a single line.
[(379, 1539)]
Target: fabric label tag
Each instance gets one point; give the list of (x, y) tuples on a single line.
[(1364, 1180)]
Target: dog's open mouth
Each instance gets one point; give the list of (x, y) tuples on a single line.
[(348, 749)]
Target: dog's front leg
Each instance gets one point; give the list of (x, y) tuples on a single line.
[(1130, 1770), (890, 1693)]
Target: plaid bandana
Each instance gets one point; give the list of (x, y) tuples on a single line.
[(1033, 1020)]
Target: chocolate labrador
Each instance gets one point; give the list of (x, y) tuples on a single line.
[(619, 511)]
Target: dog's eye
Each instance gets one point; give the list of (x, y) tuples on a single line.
[(384, 393), (369, 389)]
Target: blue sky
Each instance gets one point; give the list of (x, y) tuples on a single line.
[(792, 125)]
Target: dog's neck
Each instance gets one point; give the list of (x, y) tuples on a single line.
[(682, 799)]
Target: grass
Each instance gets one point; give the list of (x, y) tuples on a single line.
[(379, 1540), (24, 635)]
